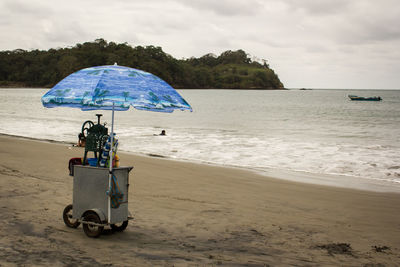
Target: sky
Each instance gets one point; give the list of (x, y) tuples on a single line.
[(343, 44)]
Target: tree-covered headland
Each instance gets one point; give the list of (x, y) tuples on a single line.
[(230, 70)]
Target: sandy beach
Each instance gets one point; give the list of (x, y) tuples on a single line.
[(190, 215)]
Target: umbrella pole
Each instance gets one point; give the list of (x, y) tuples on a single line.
[(110, 164)]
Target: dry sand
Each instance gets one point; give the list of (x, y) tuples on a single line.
[(190, 215)]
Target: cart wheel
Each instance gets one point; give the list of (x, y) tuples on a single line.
[(92, 230), (67, 216), (119, 228)]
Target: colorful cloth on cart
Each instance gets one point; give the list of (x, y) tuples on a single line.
[(115, 194)]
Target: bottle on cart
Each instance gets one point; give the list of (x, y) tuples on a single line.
[(104, 157)]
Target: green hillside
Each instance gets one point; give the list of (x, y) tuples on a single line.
[(230, 70)]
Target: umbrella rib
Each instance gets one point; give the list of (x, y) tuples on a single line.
[(98, 81)]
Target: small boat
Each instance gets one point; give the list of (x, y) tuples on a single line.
[(361, 98)]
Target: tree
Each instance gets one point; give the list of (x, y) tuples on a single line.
[(67, 65), (231, 69)]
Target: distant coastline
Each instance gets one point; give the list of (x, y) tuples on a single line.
[(229, 70)]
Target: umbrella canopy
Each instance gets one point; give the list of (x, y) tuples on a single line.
[(103, 87)]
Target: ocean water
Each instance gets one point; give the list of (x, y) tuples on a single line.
[(318, 136)]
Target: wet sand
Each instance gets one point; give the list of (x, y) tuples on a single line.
[(190, 215)]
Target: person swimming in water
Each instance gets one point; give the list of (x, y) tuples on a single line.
[(163, 133)]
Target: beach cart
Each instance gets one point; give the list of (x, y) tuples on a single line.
[(100, 195), (96, 204)]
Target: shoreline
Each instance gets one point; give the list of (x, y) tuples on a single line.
[(331, 180), (190, 214)]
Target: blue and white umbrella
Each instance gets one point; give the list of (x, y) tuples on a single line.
[(114, 87)]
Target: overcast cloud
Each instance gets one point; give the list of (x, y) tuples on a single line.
[(309, 43)]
